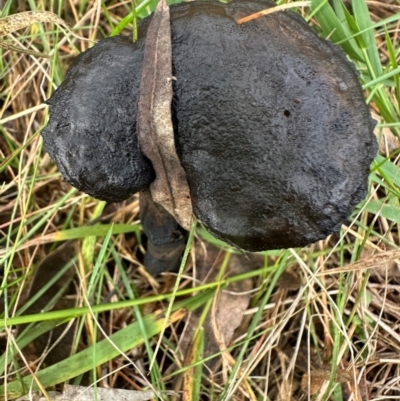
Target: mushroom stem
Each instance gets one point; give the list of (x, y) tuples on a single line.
[(166, 238)]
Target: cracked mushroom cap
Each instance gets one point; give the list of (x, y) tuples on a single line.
[(270, 122)]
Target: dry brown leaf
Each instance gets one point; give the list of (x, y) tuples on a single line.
[(388, 142), (313, 381), (289, 281), (154, 122), (18, 21), (229, 307), (228, 311), (353, 390)]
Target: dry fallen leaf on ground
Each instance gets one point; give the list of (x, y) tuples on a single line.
[(313, 381), (388, 142), (228, 309), (289, 281)]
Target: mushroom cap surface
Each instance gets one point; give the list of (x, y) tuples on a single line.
[(91, 134), (270, 121)]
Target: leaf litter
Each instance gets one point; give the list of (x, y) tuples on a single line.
[(229, 305)]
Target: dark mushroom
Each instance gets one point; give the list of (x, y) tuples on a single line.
[(91, 134), (166, 238), (270, 122)]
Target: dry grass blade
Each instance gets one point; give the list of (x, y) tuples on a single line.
[(18, 21), (335, 307), (367, 263), (9, 46), (25, 19), (273, 10)]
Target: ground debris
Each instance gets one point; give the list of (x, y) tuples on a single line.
[(229, 306), (81, 393)]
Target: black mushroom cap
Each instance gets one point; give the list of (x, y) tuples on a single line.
[(91, 134), (270, 122)]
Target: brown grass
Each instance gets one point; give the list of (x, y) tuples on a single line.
[(333, 315)]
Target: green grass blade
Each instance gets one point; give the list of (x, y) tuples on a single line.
[(363, 19), (333, 28), (97, 230), (125, 339)]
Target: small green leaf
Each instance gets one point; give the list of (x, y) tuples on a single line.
[(379, 208)]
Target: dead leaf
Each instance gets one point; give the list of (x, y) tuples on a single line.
[(229, 307), (289, 281), (311, 382), (388, 142), (154, 123)]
